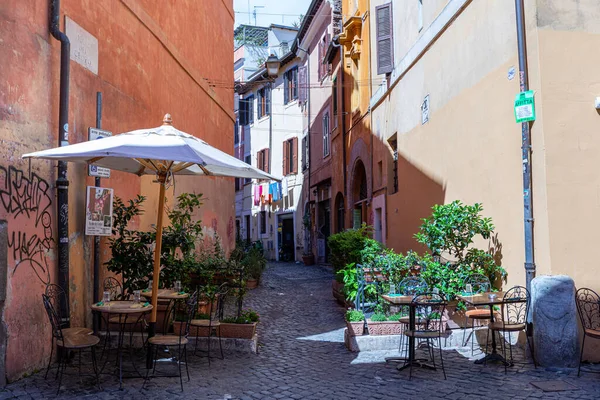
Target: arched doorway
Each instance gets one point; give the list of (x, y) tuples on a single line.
[(359, 194)]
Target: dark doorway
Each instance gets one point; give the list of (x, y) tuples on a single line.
[(247, 228), (324, 230), (287, 240)]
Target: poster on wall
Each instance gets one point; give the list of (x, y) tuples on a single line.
[(98, 211)]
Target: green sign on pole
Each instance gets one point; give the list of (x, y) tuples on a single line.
[(525, 106)]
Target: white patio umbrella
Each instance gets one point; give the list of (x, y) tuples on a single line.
[(163, 151)]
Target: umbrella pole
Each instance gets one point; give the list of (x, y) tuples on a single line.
[(156, 272)]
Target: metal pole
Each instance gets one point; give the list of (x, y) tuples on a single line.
[(270, 124), (525, 148), (62, 183), (97, 238)]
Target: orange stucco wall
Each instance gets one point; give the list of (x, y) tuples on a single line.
[(154, 58)]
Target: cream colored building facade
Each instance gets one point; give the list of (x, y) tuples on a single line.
[(447, 109)]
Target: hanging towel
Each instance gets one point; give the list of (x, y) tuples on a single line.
[(284, 186), (256, 196), (274, 191)]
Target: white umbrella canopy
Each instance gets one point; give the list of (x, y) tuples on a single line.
[(163, 151)]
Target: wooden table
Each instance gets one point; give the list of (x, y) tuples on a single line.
[(407, 301), (483, 299), (125, 310)]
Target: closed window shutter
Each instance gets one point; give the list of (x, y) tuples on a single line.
[(303, 83), (267, 160), (295, 155), (321, 60), (260, 161), (285, 159), (286, 89), (385, 44)]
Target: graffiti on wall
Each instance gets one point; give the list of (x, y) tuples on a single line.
[(27, 201)]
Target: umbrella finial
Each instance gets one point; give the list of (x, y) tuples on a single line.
[(167, 120)]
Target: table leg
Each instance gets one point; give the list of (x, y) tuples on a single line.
[(494, 355), (412, 324)]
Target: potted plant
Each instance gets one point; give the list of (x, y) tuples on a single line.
[(243, 326), (379, 324), (253, 264), (355, 321)]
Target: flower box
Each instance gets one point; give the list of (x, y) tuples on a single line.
[(384, 327), (355, 328), (242, 331)]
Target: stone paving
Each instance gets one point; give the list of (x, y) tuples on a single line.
[(302, 356)]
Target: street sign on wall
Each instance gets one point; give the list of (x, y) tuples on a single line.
[(94, 170), (525, 106)]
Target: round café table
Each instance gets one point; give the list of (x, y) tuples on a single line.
[(124, 310), (172, 297)]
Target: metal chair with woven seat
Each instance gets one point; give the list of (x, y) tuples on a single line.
[(429, 309), (72, 341), (211, 325), (588, 307), (58, 299), (479, 284), (180, 341), (513, 318)]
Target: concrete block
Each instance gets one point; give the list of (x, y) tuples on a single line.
[(555, 324)]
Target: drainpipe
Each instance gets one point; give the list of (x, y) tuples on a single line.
[(96, 317), (62, 184), (525, 148)]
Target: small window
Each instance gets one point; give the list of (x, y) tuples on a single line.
[(263, 106), (290, 156), (263, 222), (394, 145), (326, 135), (290, 85)]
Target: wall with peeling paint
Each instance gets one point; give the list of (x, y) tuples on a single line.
[(152, 59)]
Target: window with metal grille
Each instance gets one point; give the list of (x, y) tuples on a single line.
[(326, 135)]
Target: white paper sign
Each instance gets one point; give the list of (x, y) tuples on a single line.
[(98, 211), (94, 170)]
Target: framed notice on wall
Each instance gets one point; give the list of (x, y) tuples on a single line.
[(98, 211)]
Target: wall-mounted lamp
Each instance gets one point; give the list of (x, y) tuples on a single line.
[(272, 65)]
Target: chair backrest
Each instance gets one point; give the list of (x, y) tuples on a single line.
[(413, 285), (588, 307), (479, 283), (516, 305), (114, 287), (55, 321), (191, 306), (58, 300), (429, 308)]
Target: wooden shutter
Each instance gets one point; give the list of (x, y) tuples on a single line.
[(286, 89), (285, 159), (385, 44), (294, 155), (267, 160), (259, 160), (303, 84)]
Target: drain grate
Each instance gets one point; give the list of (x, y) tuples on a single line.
[(554, 386)]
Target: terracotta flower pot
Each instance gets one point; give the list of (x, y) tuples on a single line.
[(308, 259), (242, 331), (384, 327), (251, 283), (355, 328)]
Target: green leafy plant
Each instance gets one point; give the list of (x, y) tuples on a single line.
[(355, 316), (396, 317), (131, 250), (254, 263), (349, 276), (378, 317), (452, 227), (345, 247), (248, 316)]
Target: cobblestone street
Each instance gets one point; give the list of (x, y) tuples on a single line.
[(302, 356)]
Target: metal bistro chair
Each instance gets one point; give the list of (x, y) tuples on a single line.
[(206, 327), (514, 311), (58, 299), (479, 284), (429, 309), (69, 342), (588, 307), (180, 341), (410, 286)]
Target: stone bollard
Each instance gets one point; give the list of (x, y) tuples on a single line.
[(555, 321)]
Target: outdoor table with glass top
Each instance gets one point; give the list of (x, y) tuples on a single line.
[(125, 310), (489, 299), (404, 300)]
